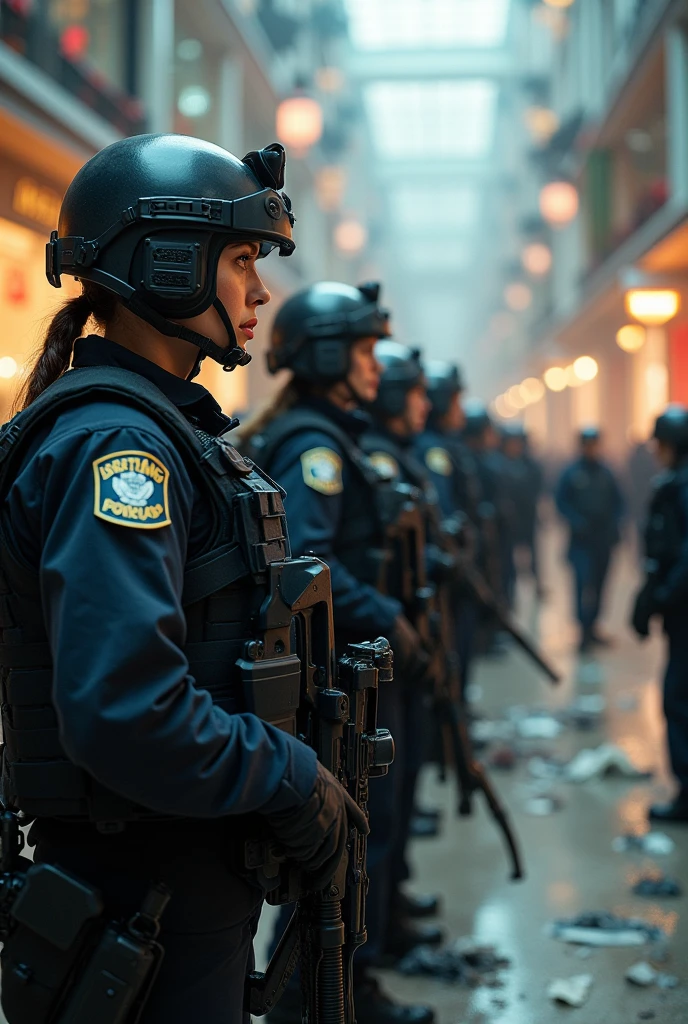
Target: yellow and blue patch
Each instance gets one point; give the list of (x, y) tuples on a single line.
[(322, 470), (438, 461), (131, 489), (385, 465)]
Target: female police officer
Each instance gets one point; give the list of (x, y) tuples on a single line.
[(134, 560), (308, 441)]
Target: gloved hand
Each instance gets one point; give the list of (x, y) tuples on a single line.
[(411, 660), (643, 610), (315, 833)]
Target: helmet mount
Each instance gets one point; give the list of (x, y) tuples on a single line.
[(148, 218)]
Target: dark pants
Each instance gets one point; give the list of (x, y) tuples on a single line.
[(676, 702), (590, 567), (208, 926), (385, 813)]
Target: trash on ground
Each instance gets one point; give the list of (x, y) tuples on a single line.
[(658, 843), (546, 767), (486, 730), (604, 929), (465, 962), (571, 991), (607, 759), (667, 981), (657, 885), (503, 757), (586, 710), (542, 806), (538, 726), (642, 974)]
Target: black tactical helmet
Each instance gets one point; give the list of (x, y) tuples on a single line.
[(477, 418), (590, 434), (672, 428), (514, 429), (444, 380), (148, 217), (402, 371), (314, 330)]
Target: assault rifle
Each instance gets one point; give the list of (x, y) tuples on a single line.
[(429, 609), (335, 712), (469, 577)]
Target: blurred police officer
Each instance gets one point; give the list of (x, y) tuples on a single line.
[(589, 498), (399, 414), (525, 487), (665, 592), (308, 440), (453, 470), (127, 592)]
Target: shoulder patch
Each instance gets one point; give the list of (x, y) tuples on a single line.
[(438, 461), (385, 465), (131, 490), (322, 470)]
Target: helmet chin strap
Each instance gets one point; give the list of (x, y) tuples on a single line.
[(360, 402), (229, 358)]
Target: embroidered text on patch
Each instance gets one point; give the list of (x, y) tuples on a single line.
[(131, 490), (322, 470)]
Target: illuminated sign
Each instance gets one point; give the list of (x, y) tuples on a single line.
[(36, 202)]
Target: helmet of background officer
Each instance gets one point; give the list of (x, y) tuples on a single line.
[(445, 387), (514, 440), (163, 232), (671, 436), (590, 440), (326, 336), (402, 403), (479, 432)]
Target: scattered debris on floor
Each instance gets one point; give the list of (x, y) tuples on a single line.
[(586, 710), (544, 805), (503, 757), (642, 974), (607, 759), (655, 884), (571, 991), (465, 962), (535, 725), (656, 843), (605, 929)]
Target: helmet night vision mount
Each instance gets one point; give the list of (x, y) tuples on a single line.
[(149, 216)]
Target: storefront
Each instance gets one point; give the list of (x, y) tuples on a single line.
[(29, 208)]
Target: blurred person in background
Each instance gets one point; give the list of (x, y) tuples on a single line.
[(641, 468), (665, 593), (589, 498), (525, 478)]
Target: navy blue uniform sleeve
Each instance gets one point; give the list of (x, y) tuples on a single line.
[(313, 519), (128, 710), (674, 588)]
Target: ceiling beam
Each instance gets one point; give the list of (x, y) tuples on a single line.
[(411, 65)]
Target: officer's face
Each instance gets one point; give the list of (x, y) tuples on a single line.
[(455, 418), (417, 409), (666, 456), (240, 290), (364, 369)]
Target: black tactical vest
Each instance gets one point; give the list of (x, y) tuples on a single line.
[(361, 533), (224, 590)]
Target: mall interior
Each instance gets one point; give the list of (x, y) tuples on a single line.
[(515, 173)]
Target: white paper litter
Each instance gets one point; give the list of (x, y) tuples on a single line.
[(601, 937), (538, 727), (657, 843), (642, 974), (572, 991), (607, 759)]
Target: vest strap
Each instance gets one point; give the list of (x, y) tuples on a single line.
[(212, 572)]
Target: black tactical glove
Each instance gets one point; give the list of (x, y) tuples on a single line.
[(315, 833), (643, 610), (411, 660)]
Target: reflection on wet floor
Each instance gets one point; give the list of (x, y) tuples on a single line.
[(571, 866)]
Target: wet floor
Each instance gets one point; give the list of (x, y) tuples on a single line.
[(571, 866)]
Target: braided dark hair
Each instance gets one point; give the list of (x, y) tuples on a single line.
[(65, 327)]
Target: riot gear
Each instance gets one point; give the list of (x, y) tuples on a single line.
[(314, 330), (444, 380), (402, 371), (672, 428), (477, 419), (148, 217)]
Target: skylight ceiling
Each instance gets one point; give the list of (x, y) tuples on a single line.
[(422, 207), (419, 24), (445, 119)]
